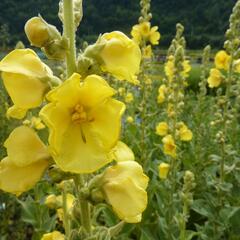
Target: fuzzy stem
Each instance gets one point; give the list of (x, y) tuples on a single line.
[(69, 34)]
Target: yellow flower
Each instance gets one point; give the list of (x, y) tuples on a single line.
[(37, 123), (55, 235), (169, 146), (222, 60), (25, 163), (154, 36), (215, 78), (37, 31), (169, 68), (161, 93), (162, 129), (25, 78), (170, 110), (84, 123), (121, 91), (121, 56), (185, 133), (147, 52), (186, 68), (143, 31), (51, 201), (163, 170), (124, 187), (129, 97), (130, 119)]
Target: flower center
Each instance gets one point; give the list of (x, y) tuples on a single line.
[(79, 114)]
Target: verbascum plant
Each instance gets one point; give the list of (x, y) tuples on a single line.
[(83, 123)]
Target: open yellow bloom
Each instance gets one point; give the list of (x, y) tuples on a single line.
[(55, 235), (84, 123), (169, 146), (215, 78), (25, 78), (162, 129), (124, 187), (25, 163), (222, 60), (121, 56), (161, 93), (144, 31), (163, 170), (185, 134)]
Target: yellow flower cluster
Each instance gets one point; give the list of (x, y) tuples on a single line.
[(144, 32), (169, 146)]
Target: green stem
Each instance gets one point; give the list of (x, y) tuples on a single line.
[(69, 34), (66, 222), (83, 204)]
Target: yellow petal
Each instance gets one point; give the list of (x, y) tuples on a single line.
[(16, 180), (55, 235), (79, 151), (128, 202), (24, 147), (215, 78), (222, 60), (162, 129), (122, 152), (107, 122), (121, 56), (25, 62), (154, 36), (163, 170)]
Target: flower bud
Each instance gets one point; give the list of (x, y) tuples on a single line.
[(163, 170)]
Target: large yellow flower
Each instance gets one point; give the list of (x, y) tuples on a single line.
[(222, 60), (124, 187), (84, 123), (25, 78), (215, 78), (121, 56), (26, 161), (162, 129)]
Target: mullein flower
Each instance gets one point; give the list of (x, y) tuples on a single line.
[(222, 60), (26, 78), (84, 123), (120, 56), (129, 97), (133, 197), (163, 170), (147, 51), (162, 129), (55, 235), (161, 93), (25, 163), (169, 146), (184, 133), (143, 31), (215, 78)]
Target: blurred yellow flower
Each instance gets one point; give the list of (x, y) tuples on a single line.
[(186, 68), (130, 119), (84, 123), (162, 129), (51, 201), (147, 51), (143, 31), (222, 60), (161, 93), (185, 134), (169, 68), (25, 78), (127, 202), (129, 97), (25, 163), (121, 56), (163, 170), (121, 152), (169, 146), (70, 199), (55, 235), (215, 78)]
